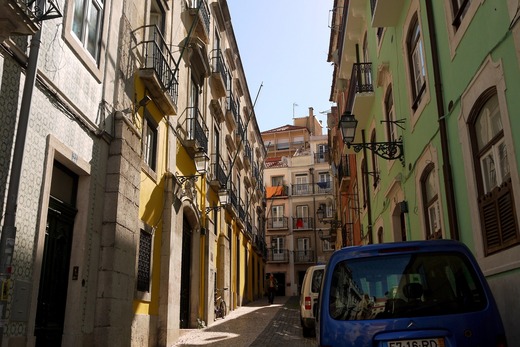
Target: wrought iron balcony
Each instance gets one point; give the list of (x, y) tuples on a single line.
[(324, 187), (220, 77), (301, 189), (249, 226), (199, 12), (248, 154), (344, 173), (277, 191), (259, 242), (17, 18), (302, 223), (192, 130), (278, 223), (361, 91), (277, 255), (158, 69), (305, 256), (241, 210), (239, 132), (232, 110), (260, 188), (233, 194), (219, 171), (321, 157)]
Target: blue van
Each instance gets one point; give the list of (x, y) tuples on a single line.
[(407, 294)]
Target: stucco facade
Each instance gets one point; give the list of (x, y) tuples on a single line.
[(298, 182), (437, 80), (123, 105)]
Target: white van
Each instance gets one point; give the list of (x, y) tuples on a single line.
[(309, 296)]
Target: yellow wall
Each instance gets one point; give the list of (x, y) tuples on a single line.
[(151, 200)]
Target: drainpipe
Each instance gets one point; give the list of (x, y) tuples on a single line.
[(8, 236), (365, 174), (446, 164)]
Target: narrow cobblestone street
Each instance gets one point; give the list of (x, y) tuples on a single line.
[(256, 324)]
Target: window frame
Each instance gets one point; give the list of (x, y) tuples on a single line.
[(326, 246), (459, 9), (391, 128), (456, 29), (415, 48), (430, 202), (84, 40), (145, 230), (150, 128), (94, 66), (491, 203)]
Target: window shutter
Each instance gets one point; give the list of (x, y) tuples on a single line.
[(498, 216)]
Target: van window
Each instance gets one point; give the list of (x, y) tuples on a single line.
[(316, 280), (404, 285)]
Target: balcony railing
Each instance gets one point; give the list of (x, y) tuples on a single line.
[(17, 18), (241, 210), (278, 223), (194, 131), (233, 194), (301, 189), (260, 188), (249, 226), (240, 129), (248, 153), (323, 187), (232, 109), (219, 170), (360, 82), (158, 69), (277, 255), (302, 223), (344, 174), (204, 17), (321, 157), (276, 191), (305, 256), (220, 73)]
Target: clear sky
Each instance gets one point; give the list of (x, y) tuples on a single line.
[(284, 45)]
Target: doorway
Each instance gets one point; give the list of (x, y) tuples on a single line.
[(54, 277), (185, 276)]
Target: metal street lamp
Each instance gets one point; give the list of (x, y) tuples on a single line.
[(390, 150)]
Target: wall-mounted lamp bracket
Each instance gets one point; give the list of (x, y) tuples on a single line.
[(213, 208), (184, 179), (387, 150), (397, 122)]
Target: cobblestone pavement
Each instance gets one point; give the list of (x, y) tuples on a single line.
[(256, 324)]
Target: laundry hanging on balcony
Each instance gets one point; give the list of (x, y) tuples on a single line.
[(323, 185), (274, 191), (299, 223)]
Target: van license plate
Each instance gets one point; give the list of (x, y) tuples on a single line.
[(438, 342)]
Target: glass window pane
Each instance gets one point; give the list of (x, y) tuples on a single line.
[(79, 15), (429, 186), (93, 26), (488, 123), (503, 161), (488, 172), (411, 285)]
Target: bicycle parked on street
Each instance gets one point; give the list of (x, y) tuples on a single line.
[(220, 303)]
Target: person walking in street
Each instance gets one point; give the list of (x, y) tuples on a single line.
[(273, 286)]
